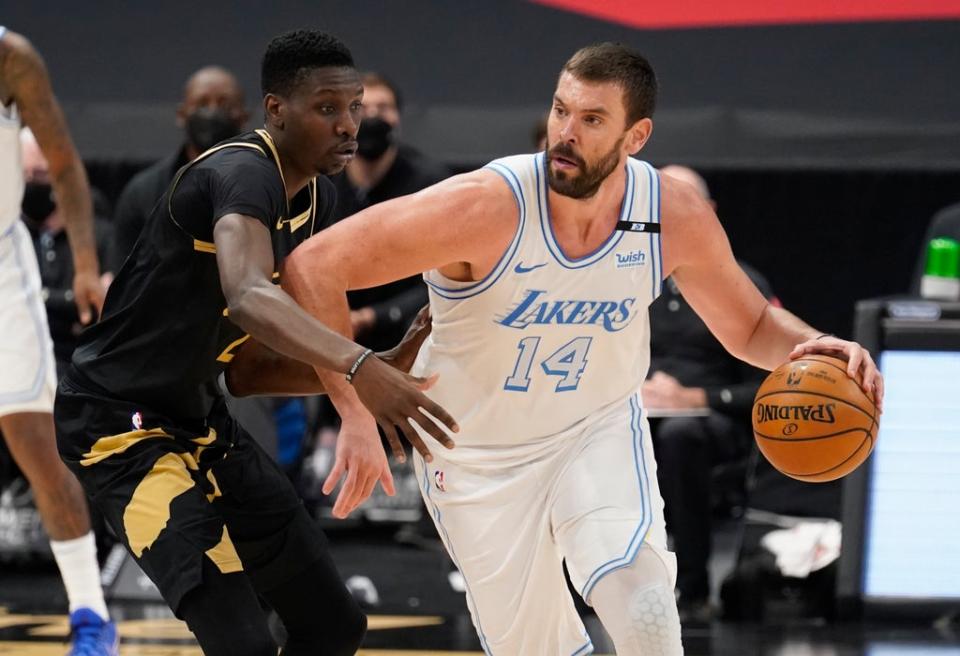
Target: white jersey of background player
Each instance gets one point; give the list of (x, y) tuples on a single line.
[(541, 269), (27, 376)]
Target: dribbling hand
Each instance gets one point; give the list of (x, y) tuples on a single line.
[(858, 360)]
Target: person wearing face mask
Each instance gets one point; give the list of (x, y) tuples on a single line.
[(212, 110), (384, 168), (46, 224)]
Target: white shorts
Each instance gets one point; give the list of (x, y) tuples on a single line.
[(28, 379), (589, 498)]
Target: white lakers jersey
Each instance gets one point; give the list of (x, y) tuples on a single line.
[(546, 341), (11, 171)]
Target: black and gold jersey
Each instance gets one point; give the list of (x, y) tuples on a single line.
[(165, 334)]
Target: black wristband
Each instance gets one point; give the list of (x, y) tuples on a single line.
[(356, 365), (824, 335)]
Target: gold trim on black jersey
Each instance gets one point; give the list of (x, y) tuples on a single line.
[(295, 223), (267, 139), (185, 167), (311, 212)]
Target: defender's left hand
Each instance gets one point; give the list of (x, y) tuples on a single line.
[(402, 355), (858, 360)]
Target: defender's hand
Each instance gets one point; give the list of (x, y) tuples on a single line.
[(858, 360), (395, 399), (360, 456), (403, 355), (88, 290)]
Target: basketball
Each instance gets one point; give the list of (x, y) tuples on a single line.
[(812, 421)]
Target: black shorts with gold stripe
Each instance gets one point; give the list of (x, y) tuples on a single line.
[(176, 493)]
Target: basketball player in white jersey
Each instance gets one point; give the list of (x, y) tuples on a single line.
[(27, 378), (541, 268)]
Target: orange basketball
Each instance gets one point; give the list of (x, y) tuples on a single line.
[(812, 421)]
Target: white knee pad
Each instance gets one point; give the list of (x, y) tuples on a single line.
[(638, 608)]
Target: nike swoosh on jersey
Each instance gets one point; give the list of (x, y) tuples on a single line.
[(295, 222), (522, 269)]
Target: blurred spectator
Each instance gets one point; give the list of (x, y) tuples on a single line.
[(540, 134), (383, 169), (47, 227), (212, 109), (690, 370)]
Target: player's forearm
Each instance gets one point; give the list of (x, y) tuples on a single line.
[(776, 333), (73, 199), (260, 371), (324, 295), (274, 319)]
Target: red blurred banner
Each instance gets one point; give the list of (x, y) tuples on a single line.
[(662, 14)]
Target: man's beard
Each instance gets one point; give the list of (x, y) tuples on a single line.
[(590, 178)]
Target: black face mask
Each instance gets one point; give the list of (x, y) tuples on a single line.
[(374, 138), (38, 202), (206, 127)]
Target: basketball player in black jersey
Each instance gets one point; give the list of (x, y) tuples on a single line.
[(141, 420)]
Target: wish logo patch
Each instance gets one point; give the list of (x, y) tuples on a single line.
[(631, 259)]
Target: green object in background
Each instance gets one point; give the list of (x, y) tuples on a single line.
[(943, 258)]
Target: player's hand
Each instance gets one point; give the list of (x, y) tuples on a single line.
[(858, 360), (88, 292), (395, 399), (402, 355), (361, 458)]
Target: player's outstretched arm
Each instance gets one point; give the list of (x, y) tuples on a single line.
[(25, 77), (245, 262), (697, 254), (461, 226), (257, 370)]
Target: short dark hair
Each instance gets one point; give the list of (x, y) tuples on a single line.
[(615, 62), (291, 55), (373, 79)]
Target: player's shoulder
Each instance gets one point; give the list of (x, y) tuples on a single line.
[(520, 160), (483, 189), (14, 42), (517, 169), (690, 228), (17, 54), (682, 203), (241, 153), (243, 162)]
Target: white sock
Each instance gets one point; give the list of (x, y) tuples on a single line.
[(77, 560)]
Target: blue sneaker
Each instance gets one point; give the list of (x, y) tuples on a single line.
[(91, 635)]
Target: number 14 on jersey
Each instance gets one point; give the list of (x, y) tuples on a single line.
[(568, 362)]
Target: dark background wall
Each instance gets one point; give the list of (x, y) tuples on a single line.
[(478, 72), (828, 146)]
